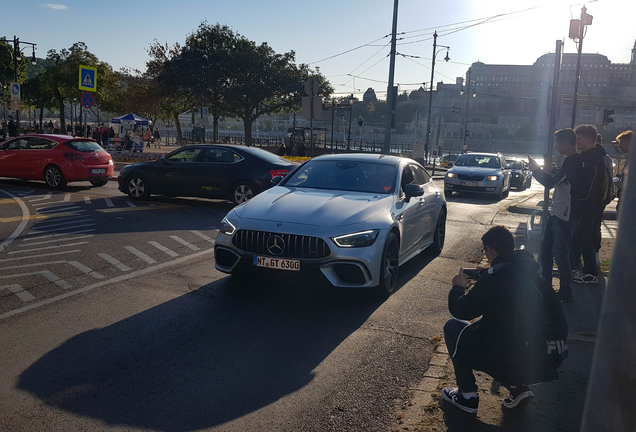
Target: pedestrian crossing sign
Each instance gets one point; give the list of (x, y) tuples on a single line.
[(87, 78)]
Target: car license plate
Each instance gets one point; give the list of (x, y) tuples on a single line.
[(277, 263), (98, 171), (470, 184)]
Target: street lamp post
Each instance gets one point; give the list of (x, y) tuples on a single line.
[(17, 57), (468, 83), (351, 101), (430, 96)]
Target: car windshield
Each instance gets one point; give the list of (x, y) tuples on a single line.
[(85, 146), (344, 175), (479, 161), (517, 165)]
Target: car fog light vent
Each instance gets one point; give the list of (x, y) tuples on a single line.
[(350, 273)]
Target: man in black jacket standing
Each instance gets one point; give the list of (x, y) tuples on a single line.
[(508, 342), (564, 212)]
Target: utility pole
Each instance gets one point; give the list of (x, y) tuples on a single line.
[(577, 31), (430, 96), (467, 103), (390, 97), (553, 109), (333, 114)]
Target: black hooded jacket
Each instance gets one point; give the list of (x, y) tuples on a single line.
[(509, 340), (598, 182)]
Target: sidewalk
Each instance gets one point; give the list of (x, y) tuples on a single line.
[(535, 202), (557, 406)]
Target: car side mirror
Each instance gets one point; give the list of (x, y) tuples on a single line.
[(451, 163), (412, 190), (277, 179)]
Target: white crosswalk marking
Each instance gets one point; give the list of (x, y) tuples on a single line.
[(87, 200), (55, 241), (62, 229), (48, 247), (140, 254), (47, 274), (162, 248), (40, 255), (67, 197), (17, 289), (121, 266), (130, 204), (37, 235), (203, 236), (185, 243), (76, 219), (109, 203), (40, 197), (68, 208)]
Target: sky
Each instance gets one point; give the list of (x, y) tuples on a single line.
[(492, 31)]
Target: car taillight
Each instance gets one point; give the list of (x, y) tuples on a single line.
[(73, 156), (275, 173)]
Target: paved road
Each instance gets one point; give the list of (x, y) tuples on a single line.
[(113, 317)]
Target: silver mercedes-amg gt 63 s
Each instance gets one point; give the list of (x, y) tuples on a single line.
[(345, 220)]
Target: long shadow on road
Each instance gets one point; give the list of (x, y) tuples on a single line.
[(200, 360)]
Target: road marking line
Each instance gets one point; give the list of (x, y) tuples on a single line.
[(37, 236), (38, 256), (58, 240), (109, 203), (24, 220), (185, 243), (148, 207), (81, 267), (67, 197), (47, 274), (50, 204), (104, 283), (64, 209), (78, 219), (38, 216), (130, 204), (17, 289), (162, 248), (62, 229), (121, 266), (87, 200), (203, 236), (47, 247), (140, 254), (40, 197)]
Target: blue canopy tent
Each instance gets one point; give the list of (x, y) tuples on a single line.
[(131, 119)]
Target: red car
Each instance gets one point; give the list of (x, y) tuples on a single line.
[(56, 159)]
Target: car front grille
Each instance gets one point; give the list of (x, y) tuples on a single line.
[(295, 246), (470, 177)]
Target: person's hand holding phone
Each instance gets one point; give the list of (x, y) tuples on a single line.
[(532, 164)]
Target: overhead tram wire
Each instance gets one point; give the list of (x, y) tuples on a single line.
[(427, 67), (348, 51)]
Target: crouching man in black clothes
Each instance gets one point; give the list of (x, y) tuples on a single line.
[(519, 339)]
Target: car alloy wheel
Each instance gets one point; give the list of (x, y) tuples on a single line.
[(54, 178), (242, 193), (390, 265), (440, 232), (138, 188)]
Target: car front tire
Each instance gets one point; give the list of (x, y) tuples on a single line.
[(242, 192), (53, 177), (440, 233), (389, 266), (137, 187)]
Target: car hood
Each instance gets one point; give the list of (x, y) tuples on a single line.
[(313, 206), (475, 170)]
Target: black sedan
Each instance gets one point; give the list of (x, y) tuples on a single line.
[(229, 172), (520, 174)]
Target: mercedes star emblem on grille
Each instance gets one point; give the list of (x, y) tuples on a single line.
[(275, 245)]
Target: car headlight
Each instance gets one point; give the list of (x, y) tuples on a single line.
[(492, 178), (227, 227), (359, 239), (450, 175)]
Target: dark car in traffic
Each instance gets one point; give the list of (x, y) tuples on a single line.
[(232, 172), (520, 174)]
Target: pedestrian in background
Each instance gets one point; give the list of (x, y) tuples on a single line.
[(564, 212), (598, 217), (12, 128), (157, 137), (105, 135), (302, 150), (97, 136), (624, 143), (282, 149)]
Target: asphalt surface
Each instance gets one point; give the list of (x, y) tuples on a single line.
[(112, 317)]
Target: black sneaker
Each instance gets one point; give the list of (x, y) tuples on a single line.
[(455, 397), (518, 400), (565, 297), (585, 279)]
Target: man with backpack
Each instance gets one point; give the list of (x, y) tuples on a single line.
[(596, 194), (520, 338)]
